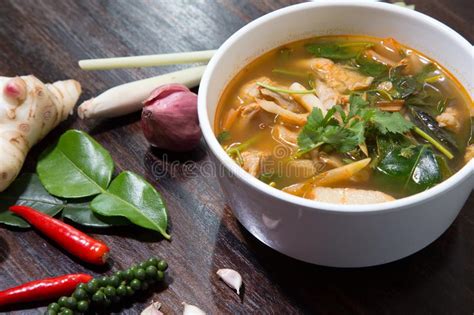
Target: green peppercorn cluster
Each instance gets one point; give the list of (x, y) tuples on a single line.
[(106, 291)]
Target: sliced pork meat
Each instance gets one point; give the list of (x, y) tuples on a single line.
[(253, 162), (328, 96), (284, 100), (412, 64), (339, 77), (449, 119), (249, 110), (251, 90)]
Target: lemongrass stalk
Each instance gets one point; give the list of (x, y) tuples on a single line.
[(127, 98), (146, 61)]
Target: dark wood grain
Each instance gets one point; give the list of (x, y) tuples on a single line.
[(48, 37)]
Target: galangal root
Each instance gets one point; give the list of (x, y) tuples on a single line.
[(29, 110)]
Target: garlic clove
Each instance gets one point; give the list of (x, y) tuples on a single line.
[(231, 277), (192, 310), (152, 309)]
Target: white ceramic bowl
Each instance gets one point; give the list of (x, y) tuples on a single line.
[(322, 233)]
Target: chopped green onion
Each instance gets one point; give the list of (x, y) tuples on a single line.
[(356, 44), (233, 150), (434, 78), (289, 72), (267, 177), (441, 107), (382, 92), (385, 93), (223, 136), (236, 149), (280, 90), (435, 143)]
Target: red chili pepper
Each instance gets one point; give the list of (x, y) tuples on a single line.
[(74, 241), (46, 289)]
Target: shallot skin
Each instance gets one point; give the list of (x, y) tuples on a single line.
[(169, 118)]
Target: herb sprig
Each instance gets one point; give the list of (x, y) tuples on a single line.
[(345, 131)]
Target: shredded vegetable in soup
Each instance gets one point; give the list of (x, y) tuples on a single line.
[(346, 119)]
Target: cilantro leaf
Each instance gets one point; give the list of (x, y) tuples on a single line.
[(331, 51), (390, 122), (405, 86), (371, 67), (321, 129), (347, 132), (337, 51), (342, 139), (383, 121), (311, 135), (431, 99), (357, 104), (425, 72), (358, 129), (306, 140)]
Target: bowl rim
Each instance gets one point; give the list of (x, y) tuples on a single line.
[(230, 165)]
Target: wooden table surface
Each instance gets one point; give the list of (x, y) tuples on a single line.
[(47, 38)]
